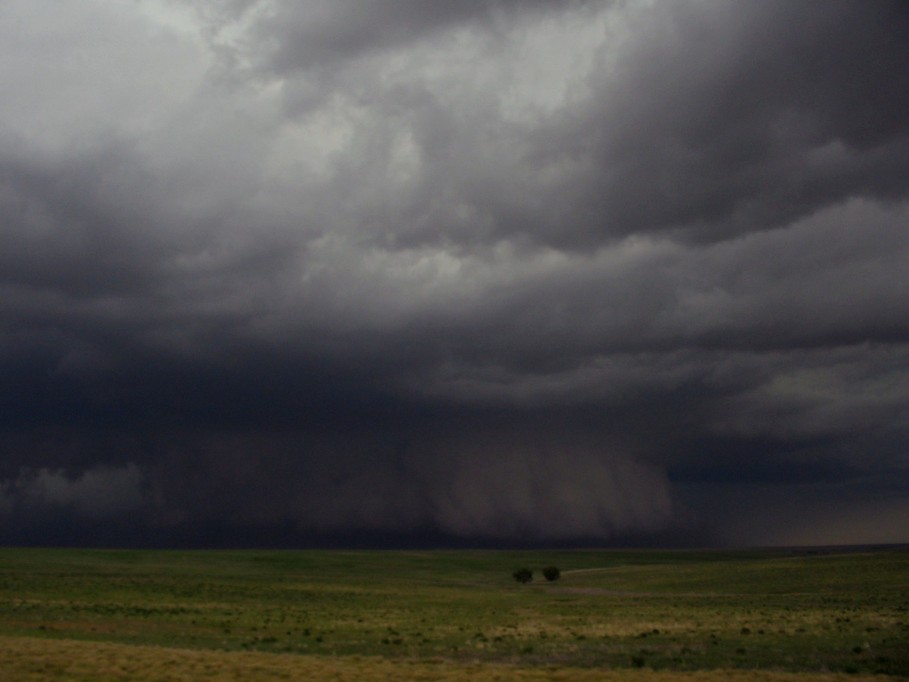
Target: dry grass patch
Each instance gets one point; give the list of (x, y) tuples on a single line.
[(38, 660)]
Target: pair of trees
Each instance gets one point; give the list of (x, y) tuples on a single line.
[(525, 575)]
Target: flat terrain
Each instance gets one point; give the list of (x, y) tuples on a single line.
[(369, 615)]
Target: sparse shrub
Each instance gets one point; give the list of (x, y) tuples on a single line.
[(523, 575), (552, 573)]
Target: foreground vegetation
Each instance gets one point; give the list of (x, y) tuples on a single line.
[(150, 615)]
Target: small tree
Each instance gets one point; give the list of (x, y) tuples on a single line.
[(552, 573), (523, 575)]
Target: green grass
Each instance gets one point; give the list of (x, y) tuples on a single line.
[(673, 611)]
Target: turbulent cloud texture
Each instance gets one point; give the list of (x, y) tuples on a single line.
[(490, 271)]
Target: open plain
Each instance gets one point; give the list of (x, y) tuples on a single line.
[(375, 615)]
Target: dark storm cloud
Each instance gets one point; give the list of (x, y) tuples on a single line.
[(61, 233), (306, 35), (493, 271), (723, 118), (709, 119)]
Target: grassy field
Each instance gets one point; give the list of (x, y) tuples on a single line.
[(623, 615)]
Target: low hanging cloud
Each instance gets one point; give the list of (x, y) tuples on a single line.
[(98, 493)]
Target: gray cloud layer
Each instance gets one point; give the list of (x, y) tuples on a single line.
[(488, 270)]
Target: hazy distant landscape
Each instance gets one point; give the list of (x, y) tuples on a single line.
[(156, 615)]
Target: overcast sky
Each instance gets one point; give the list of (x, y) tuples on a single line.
[(480, 272)]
